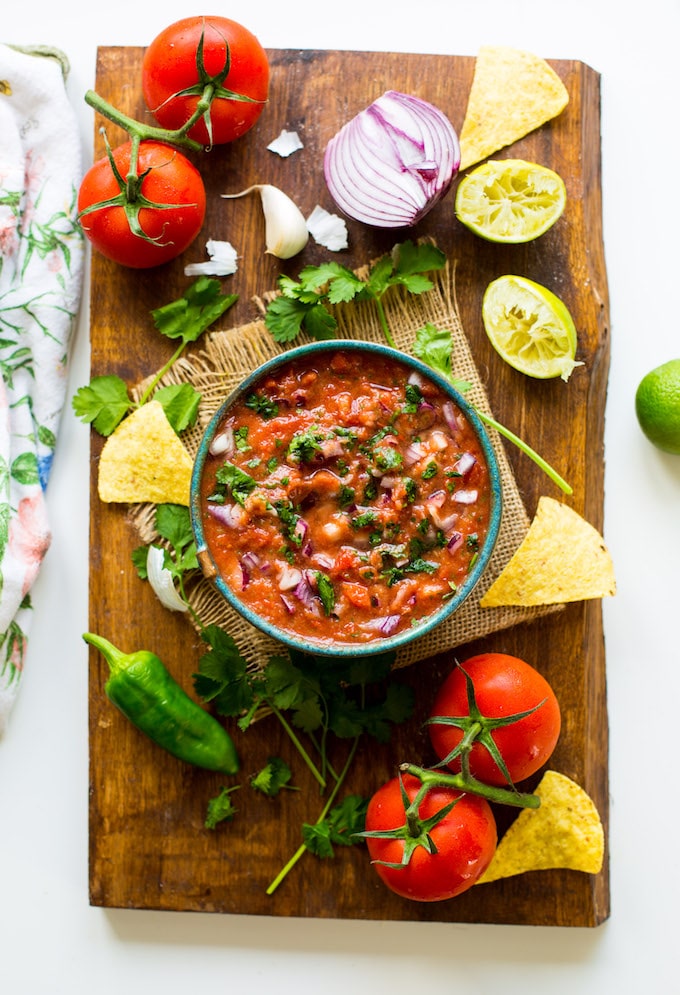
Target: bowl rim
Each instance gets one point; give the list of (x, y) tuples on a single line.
[(331, 648)]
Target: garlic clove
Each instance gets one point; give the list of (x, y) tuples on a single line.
[(285, 226)]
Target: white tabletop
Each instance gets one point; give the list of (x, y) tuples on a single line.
[(51, 940)]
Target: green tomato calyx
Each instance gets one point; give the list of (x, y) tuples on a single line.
[(477, 728)]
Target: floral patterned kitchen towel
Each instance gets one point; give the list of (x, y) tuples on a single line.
[(41, 266)]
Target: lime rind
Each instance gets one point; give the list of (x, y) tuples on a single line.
[(530, 328), (510, 200)]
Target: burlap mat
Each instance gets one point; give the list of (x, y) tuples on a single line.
[(228, 356)]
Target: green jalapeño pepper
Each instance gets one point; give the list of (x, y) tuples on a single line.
[(141, 687)]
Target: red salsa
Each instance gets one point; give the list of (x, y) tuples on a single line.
[(345, 497)]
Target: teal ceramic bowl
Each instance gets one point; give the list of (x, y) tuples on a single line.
[(329, 647)]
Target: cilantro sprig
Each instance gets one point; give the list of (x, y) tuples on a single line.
[(311, 698), (105, 401), (308, 302), (435, 347)]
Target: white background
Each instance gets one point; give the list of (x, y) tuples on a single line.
[(51, 941)]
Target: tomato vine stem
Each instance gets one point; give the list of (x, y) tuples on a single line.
[(142, 131), (466, 782)]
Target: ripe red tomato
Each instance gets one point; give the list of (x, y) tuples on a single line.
[(170, 66), (504, 685), (465, 841), (171, 179)]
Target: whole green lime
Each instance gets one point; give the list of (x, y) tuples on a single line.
[(657, 405)]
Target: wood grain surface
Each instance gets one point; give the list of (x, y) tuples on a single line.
[(148, 845)]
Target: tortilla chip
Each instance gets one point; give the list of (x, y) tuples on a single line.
[(144, 460), (562, 558), (512, 94), (564, 832)]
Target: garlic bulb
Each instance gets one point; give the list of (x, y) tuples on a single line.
[(285, 226)]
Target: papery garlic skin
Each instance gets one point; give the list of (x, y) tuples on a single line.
[(287, 143), (222, 262), (285, 226), (328, 229)]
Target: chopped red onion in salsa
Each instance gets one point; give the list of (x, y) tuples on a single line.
[(354, 515)]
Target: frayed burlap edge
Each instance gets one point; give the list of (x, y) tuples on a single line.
[(229, 356)]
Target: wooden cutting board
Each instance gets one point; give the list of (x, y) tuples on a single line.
[(148, 846)]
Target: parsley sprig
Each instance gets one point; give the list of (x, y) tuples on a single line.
[(105, 401), (308, 302)]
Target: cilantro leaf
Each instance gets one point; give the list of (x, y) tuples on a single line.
[(240, 483), (220, 808), (273, 776), (320, 323), (326, 592), (180, 402), (312, 278), (304, 445), (339, 827), (285, 684), (222, 675), (198, 308), (103, 403), (309, 714), (345, 287), (139, 557), (435, 347), (262, 405), (411, 258), (173, 522), (284, 317)]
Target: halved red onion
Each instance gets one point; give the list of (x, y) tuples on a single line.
[(388, 166)]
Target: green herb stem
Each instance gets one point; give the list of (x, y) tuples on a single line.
[(383, 322), (527, 450), (298, 746), (161, 373), (324, 812)]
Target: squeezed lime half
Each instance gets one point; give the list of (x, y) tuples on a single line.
[(510, 200), (530, 327)]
